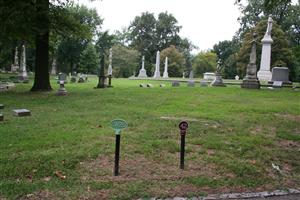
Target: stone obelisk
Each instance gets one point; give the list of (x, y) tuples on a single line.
[(157, 72), (53, 67), (251, 81), (15, 65), (165, 74), (23, 73), (109, 70), (142, 73), (264, 72)]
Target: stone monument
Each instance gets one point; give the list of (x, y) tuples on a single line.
[(109, 71), (218, 79), (280, 74), (191, 82), (62, 90), (15, 65), (264, 72), (53, 67), (157, 72), (166, 75), (23, 73), (251, 81), (143, 73), (101, 76)]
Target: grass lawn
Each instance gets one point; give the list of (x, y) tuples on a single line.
[(234, 137)]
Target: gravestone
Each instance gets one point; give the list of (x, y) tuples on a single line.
[(1, 117), (81, 78), (110, 70), (251, 81), (237, 77), (218, 79), (143, 73), (62, 77), (191, 83), (23, 72), (175, 84), (165, 74), (277, 84), (21, 112), (1, 106), (162, 85), (281, 74), (73, 79), (209, 76), (157, 64), (62, 90), (142, 85), (15, 65), (203, 83), (149, 85)]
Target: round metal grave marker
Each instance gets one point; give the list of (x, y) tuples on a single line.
[(183, 127), (118, 125)]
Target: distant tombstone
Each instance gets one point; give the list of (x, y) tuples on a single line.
[(1, 106), (237, 77), (142, 85), (175, 84), (209, 76), (165, 74), (149, 85), (15, 65), (277, 84), (191, 75), (21, 112), (73, 79), (22, 71), (203, 84), (191, 83), (162, 85), (81, 78), (62, 77), (157, 65), (62, 90), (281, 74)]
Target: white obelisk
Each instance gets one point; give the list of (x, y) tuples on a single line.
[(157, 72), (23, 73), (143, 73), (109, 71), (166, 75), (264, 72)]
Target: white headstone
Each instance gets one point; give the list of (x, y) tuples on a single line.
[(237, 77), (166, 75), (143, 73), (23, 73), (53, 68), (264, 72), (157, 72), (109, 71)]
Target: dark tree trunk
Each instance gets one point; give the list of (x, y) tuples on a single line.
[(42, 77)]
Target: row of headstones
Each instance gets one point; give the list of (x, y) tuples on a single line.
[(82, 78), (175, 84), (16, 112)]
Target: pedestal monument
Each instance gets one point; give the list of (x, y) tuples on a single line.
[(264, 72), (251, 81), (165, 74), (109, 70), (143, 73), (15, 65), (218, 79), (157, 72)]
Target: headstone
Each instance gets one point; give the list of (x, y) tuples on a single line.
[(15, 65), (110, 70), (157, 64), (143, 73), (281, 74), (73, 79), (237, 77), (209, 76), (1, 106), (53, 67), (162, 85), (183, 75), (264, 72), (1, 117), (218, 79), (191, 83), (142, 85), (277, 84), (203, 83), (251, 81), (62, 90), (175, 84), (81, 78), (62, 77), (149, 85), (165, 74), (23, 73), (191, 75), (21, 112)]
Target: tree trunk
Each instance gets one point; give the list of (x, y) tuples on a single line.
[(42, 77)]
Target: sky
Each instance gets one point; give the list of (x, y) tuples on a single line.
[(204, 22)]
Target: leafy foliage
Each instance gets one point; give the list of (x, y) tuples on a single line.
[(204, 62)]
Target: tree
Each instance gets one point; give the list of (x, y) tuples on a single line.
[(204, 62), (89, 60), (176, 61), (125, 62)]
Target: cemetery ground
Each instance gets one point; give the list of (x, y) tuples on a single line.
[(65, 150)]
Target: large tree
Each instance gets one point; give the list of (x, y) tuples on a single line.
[(204, 62)]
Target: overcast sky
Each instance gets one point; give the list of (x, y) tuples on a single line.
[(204, 22)]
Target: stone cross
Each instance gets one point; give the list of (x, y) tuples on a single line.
[(157, 72), (142, 73), (166, 75), (109, 71)]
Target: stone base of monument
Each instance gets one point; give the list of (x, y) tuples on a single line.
[(191, 83), (156, 75), (175, 84), (264, 75), (250, 84), (1, 117), (142, 74), (22, 112), (62, 92), (218, 82)]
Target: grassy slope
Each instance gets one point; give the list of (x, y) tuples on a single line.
[(239, 134)]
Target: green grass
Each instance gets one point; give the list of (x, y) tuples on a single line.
[(238, 135)]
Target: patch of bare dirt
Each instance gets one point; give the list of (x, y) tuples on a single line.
[(44, 194), (286, 144), (291, 117)]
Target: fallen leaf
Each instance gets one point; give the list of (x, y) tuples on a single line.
[(46, 179), (59, 175)]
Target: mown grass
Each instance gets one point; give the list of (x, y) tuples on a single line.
[(238, 135)]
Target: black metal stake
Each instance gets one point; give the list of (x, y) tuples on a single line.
[(182, 151), (117, 155)]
